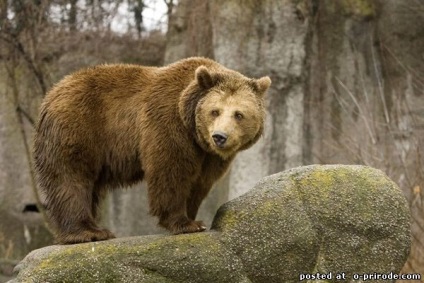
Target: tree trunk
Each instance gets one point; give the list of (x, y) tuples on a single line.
[(189, 31), (261, 38), (73, 15)]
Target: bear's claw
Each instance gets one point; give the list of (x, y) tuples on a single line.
[(188, 226)]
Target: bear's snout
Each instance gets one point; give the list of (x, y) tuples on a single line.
[(219, 138)]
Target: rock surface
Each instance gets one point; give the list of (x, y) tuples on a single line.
[(308, 220)]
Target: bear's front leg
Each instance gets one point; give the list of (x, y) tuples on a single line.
[(168, 197), (198, 193)]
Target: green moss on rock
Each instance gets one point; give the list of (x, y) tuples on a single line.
[(359, 8)]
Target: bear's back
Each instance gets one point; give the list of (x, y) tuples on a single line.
[(101, 80)]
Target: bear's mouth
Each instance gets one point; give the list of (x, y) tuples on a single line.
[(220, 146), (223, 150)]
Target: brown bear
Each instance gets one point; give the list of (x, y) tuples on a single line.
[(177, 127)]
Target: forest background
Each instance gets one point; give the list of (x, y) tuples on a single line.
[(348, 87)]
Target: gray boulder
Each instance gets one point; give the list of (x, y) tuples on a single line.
[(309, 223)]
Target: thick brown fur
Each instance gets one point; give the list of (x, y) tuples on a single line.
[(114, 125)]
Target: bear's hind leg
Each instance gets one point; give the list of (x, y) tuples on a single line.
[(70, 207)]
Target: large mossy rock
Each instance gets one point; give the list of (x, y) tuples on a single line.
[(308, 220), (318, 219)]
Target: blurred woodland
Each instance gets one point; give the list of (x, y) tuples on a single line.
[(348, 87)]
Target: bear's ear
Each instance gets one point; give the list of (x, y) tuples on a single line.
[(261, 85), (204, 78)]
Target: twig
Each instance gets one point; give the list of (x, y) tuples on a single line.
[(380, 85), (11, 73), (360, 110)]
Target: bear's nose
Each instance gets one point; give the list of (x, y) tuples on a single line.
[(219, 138)]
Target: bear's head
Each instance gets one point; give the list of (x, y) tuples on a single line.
[(224, 110)]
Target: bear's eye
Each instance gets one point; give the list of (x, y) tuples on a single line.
[(215, 113), (238, 116)]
